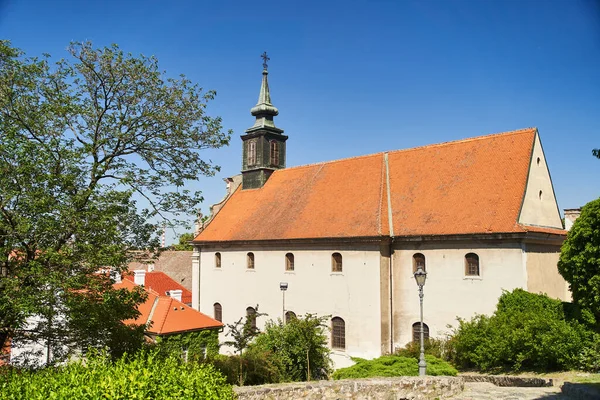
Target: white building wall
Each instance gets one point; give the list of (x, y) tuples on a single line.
[(313, 288), (448, 291)]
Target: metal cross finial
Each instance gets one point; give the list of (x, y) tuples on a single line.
[(265, 59)]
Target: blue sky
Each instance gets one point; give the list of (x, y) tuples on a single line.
[(352, 78)]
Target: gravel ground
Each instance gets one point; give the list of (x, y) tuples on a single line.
[(489, 391)]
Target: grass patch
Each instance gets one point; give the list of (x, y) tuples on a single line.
[(393, 365)]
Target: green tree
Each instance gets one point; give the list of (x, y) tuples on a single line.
[(83, 140), (596, 153), (184, 242), (242, 333), (300, 345), (579, 260)]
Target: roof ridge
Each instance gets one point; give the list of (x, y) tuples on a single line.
[(381, 153)]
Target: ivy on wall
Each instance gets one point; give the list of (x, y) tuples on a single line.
[(199, 345)]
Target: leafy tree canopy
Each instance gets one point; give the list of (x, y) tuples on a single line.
[(82, 139), (596, 153), (579, 260), (184, 242)]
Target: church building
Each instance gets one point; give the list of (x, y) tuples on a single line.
[(479, 215)]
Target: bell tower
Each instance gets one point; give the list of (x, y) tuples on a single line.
[(263, 147)]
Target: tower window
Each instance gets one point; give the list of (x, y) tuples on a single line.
[(472, 264), (251, 152), (274, 153), (338, 333), (218, 312), (289, 262), (250, 260), (336, 262), (416, 332), (217, 260), (418, 261), (251, 315)]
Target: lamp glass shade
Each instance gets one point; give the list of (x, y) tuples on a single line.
[(420, 276)]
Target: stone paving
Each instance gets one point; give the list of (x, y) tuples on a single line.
[(489, 391)]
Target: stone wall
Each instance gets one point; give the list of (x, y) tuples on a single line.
[(430, 387)]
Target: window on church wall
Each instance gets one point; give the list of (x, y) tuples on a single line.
[(274, 153), (217, 260), (251, 153), (416, 332), (251, 314), (338, 333), (472, 264), (289, 315), (289, 262), (218, 312), (418, 261), (250, 260), (336, 262)]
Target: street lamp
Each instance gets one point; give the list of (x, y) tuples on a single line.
[(420, 277), (283, 287)]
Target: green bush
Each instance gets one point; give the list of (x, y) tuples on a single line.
[(394, 365), (526, 332), (143, 376), (300, 347), (257, 368), (440, 348)]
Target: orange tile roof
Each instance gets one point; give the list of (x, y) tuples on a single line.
[(161, 283), (167, 315), (468, 186)]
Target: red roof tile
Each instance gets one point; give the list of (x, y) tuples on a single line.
[(168, 315), (469, 186), (161, 283)]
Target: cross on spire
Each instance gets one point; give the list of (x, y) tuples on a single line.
[(265, 59)]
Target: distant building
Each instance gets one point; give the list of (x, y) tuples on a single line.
[(165, 315), (176, 264), (571, 214), (161, 284), (479, 214)]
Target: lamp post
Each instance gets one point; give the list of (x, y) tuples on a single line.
[(283, 287), (420, 277)]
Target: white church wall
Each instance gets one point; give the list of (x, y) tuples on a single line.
[(352, 295), (448, 291), (539, 205)]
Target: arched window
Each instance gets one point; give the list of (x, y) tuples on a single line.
[(251, 153), (336, 262), (217, 260), (218, 310), (289, 315), (416, 331), (251, 314), (250, 260), (472, 264), (289, 262), (274, 153), (338, 333), (418, 261)]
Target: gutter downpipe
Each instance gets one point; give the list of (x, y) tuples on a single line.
[(391, 250)]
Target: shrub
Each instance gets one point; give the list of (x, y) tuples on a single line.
[(257, 368), (393, 365), (526, 332), (440, 348), (300, 346), (143, 376)]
